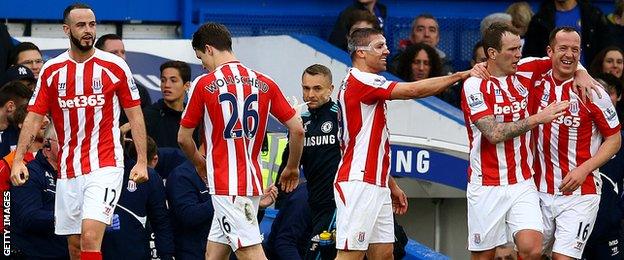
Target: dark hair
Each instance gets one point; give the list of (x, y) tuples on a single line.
[(72, 7), (493, 35), (19, 114), (613, 83), (317, 69), (359, 37), (553, 33), (362, 16), (213, 34), (619, 8), (13, 91), (183, 68), (404, 68), (102, 40), (476, 47), (150, 146), (595, 68), (423, 16), (22, 46)]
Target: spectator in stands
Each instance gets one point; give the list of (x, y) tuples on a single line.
[(505, 252), (478, 54), (362, 19), (191, 211), (615, 26), (29, 55), (419, 61), (162, 119), (494, 18), (140, 210), (521, 14), (290, 231), (7, 161), (557, 13), (605, 241), (610, 60), (12, 95), (113, 43), (425, 29), (339, 34), (32, 207), (6, 44), (22, 74)]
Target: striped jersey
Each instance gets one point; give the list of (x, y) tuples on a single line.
[(234, 103), (364, 133), (571, 139), (507, 99), (84, 101)]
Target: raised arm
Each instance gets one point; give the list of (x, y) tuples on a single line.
[(426, 87)]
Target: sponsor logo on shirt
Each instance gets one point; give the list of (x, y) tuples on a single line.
[(82, 101), (319, 140), (515, 107)]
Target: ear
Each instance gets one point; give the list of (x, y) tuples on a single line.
[(187, 85), (549, 51), (10, 106), (492, 53), (208, 50), (66, 29)]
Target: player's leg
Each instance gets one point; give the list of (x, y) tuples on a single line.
[(217, 251), (548, 209), (67, 213), (487, 210), (357, 207), (73, 243), (574, 225), (525, 219), (250, 252), (382, 236), (102, 188)]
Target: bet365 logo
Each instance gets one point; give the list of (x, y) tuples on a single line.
[(82, 101), (514, 107)]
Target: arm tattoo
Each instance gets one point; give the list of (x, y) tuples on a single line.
[(30, 142), (497, 132)]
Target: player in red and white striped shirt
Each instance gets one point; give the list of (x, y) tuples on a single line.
[(83, 89), (234, 103), (570, 150), (364, 191), (501, 195)]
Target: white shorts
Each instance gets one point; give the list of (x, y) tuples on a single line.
[(493, 211), (568, 222), (91, 196), (363, 215), (235, 221)]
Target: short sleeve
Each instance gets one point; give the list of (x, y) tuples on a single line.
[(193, 112), (603, 114), (127, 90), (280, 108), (532, 68), (372, 87), (476, 104), (39, 101)]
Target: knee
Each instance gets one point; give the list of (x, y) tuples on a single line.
[(89, 240)]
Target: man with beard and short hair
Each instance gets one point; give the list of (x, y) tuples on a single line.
[(83, 89)]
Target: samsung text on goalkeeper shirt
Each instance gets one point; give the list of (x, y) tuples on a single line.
[(319, 140), (6, 242)]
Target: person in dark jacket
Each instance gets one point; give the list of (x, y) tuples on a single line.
[(141, 209), (605, 241), (290, 231), (592, 25), (32, 208), (615, 26), (6, 45), (168, 159), (162, 119), (191, 211), (341, 28)]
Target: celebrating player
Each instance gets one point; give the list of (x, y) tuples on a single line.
[(570, 150)]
